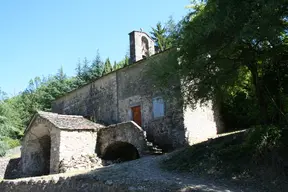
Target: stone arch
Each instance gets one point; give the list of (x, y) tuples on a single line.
[(36, 150), (122, 151), (145, 46), (121, 136)]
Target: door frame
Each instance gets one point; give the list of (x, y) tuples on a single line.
[(131, 112)]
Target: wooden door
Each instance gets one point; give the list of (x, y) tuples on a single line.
[(136, 114)]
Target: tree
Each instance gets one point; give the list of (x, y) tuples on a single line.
[(218, 40), (10, 124), (86, 70), (159, 35), (164, 35), (107, 67), (115, 66), (79, 81), (97, 67)]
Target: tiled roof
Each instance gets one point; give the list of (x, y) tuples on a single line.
[(70, 122)]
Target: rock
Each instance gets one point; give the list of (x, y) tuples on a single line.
[(131, 188), (82, 162), (109, 182)]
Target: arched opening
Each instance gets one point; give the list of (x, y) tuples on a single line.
[(145, 47), (37, 156), (120, 151), (45, 143)]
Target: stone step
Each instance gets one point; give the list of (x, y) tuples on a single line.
[(153, 149)]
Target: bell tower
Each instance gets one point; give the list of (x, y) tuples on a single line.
[(141, 46)]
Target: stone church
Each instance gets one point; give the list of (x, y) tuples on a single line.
[(127, 94)]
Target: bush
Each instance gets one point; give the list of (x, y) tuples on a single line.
[(11, 143), (3, 148), (264, 138)]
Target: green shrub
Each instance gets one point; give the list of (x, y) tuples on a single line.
[(12, 143), (3, 148), (264, 138)]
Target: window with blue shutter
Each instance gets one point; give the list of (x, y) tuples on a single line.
[(158, 107)]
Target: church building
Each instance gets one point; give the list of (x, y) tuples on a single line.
[(129, 94)]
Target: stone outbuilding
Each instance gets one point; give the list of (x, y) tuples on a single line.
[(51, 138)]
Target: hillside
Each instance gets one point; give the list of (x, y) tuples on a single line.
[(238, 158)]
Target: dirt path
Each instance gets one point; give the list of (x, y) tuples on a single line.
[(143, 174)]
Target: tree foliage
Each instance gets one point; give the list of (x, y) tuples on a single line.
[(107, 67), (220, 40), (16, 112), (163, 35)]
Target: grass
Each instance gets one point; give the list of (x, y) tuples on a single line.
[(255, 156)]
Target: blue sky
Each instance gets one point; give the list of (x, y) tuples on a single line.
[(38, 37)]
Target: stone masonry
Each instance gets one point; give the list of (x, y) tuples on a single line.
[(55, 143), (110, 99)]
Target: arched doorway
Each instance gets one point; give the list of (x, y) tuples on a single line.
[(122, 151), (45, 143), (36, 156)]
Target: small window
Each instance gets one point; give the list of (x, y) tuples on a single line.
[(158, 107)]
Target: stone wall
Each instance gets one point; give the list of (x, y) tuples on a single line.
[(200, 123), (77, 143), (137, 89), (97, 100), (40, 145), (60, 184), (136, 45), (82, 162), (109, 99), (128, 132), (44, 146)]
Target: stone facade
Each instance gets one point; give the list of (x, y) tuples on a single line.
[(82, 162), (56, 143), (123, 133), (51, 138), (110, 99), (141, 46), (40, 145)]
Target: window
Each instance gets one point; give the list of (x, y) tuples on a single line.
[(158, 107)]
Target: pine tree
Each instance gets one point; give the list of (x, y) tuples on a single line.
[(86, 71), (96, 69), (115, 66), (79, 81), (159, 36), (107, 67)]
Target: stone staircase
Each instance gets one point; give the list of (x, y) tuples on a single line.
[(153, 149)]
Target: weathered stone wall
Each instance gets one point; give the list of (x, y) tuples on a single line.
[(76, 143), (40, 145), (136, 45), (110, 98), (44, 146), (97, 100), (82, 162), (137, 89), (60, 184), (128, 132), (200, 123)]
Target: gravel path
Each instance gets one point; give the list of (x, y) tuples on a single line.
[(145, 173)]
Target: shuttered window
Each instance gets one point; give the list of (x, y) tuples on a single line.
[(158, 107)]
